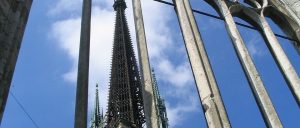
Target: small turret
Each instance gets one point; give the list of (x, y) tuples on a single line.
[(97, 116)]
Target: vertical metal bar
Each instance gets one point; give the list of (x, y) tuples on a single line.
[(148, 92), (83, 67), (201, 78), (257, 86), (207, 67)]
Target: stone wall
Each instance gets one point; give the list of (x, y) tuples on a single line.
[(288, 19), (294, 5), (13, 19)]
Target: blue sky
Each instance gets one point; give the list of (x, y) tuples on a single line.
[(45, 75)]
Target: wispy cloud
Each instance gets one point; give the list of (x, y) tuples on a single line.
[(60, 6), (175, 113), (255, 46), (178, 76)]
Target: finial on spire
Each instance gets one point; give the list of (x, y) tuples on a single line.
[(119, 4)]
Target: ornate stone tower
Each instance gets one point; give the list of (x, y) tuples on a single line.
[(125, 104)]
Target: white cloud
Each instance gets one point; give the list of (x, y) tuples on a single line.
[(160, 42), (64, 6), (175, 113), (255, 46), (66, 32), (179, 76)]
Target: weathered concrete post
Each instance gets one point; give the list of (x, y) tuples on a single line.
[(278, 53), (148, 92), (257, 86), (282, 60), (201, 78), (83, 67), (13, 19), (207, 67)]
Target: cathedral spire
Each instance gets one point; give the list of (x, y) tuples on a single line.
[(125, 102)]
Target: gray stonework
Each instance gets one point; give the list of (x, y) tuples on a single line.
[(294, 5), (13, 19), (213, 109), (263, 100), (206, 63), (286, 14)]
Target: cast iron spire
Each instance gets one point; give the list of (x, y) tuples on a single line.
[(125, 104)]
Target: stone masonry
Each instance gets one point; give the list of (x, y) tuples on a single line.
[(13, 19), (294, 5)]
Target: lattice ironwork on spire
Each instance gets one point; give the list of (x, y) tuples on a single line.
[(125, 102)]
